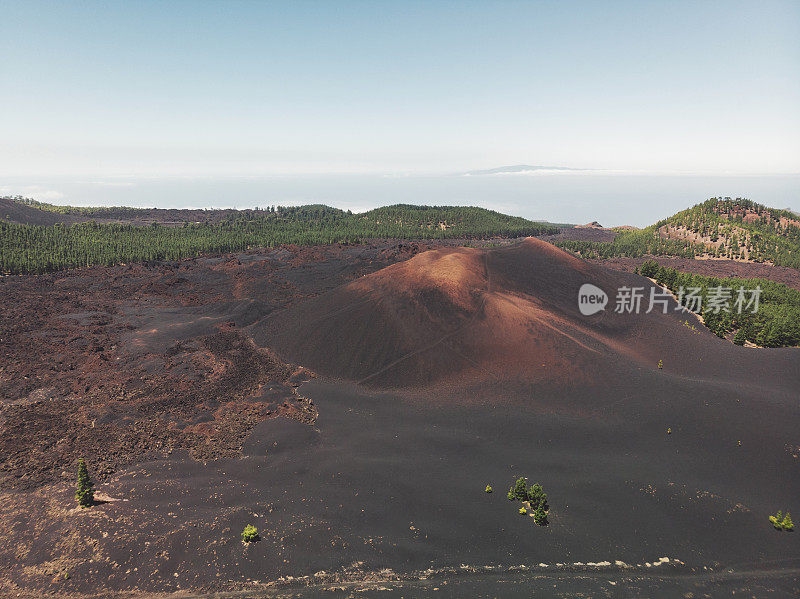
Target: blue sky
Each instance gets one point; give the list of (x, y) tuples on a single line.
[(253, 88)]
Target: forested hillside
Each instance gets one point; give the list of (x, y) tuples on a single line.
[(38, 249), (92, 211), (775, 322), (719, 228), (26, 211)]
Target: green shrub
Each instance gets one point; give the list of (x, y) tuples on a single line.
[(84, 493), (782, 522), (787, 523), (523, 510), (488, 488), (250, 534)]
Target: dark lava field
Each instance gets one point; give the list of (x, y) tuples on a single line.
[(353, 402)]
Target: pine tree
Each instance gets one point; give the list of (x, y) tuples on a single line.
[(520, 490), (535, 495), (84, 494), (540, 515)]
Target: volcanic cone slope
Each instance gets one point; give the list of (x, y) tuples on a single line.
[(463, 318)]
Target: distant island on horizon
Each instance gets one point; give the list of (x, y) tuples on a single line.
[(520, 169)]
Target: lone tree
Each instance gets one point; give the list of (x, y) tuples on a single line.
[(84, 493)]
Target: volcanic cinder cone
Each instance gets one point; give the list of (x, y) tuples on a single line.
[(459, 318)]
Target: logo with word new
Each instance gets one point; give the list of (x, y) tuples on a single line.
[(591, 299)]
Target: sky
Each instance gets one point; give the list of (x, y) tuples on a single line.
[(232, 88)]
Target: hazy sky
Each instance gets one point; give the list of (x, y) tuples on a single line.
[(247, 88)]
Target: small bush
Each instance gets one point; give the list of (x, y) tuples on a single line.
[(488, 488), (523, 511), (250, 534), (782, 522), (787, 523)]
